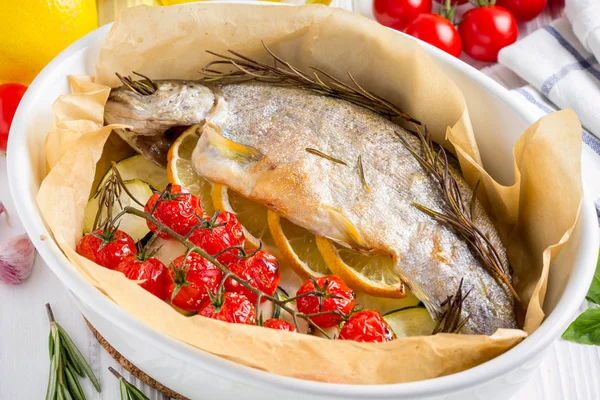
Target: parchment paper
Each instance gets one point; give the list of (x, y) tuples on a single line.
[(535, 215)]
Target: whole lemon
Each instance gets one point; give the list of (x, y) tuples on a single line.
[(32, 32)]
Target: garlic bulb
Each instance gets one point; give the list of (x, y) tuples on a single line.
[(16, 259)]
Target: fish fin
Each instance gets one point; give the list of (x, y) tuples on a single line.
[(228, 148), (347, 227), (434, 308)]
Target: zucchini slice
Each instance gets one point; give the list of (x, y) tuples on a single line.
[(135, 226)]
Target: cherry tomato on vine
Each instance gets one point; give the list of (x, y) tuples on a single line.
[(150, 270), (524, 10), (279, 324), (221, 232), (10, 96), (487, 30), (330, 293), (232, 307), (397, 14), (107, 249), (437, 31), (178, 210), (261, 270), (366, 326), (190, 282)]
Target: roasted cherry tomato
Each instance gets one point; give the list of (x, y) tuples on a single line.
[(10, 96), (150, 270), (279, 324), (178, 210), (487, 30), (260, 270), (190, 282), (524, 10), (330, 293), (232, 307), (221, 232), (398, 14), (107, 249), (437, 31), (366, 326)]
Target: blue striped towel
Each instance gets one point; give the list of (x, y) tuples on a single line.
[(562, 74)]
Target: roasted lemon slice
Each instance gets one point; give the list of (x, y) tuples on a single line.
[(298, 247), (369, 273), (180, 170), (252, 216)]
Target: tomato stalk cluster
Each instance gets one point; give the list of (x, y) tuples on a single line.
[(110, 193)]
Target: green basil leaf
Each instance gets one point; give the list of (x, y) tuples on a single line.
[(586, 328), (593, 294)]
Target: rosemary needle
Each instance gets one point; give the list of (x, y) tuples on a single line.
[(326, 156), (127, 390), (361, 172), (66, 364)]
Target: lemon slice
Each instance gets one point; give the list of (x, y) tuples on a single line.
[(298, 247), (180, 170), (369, 273), (252, 216)]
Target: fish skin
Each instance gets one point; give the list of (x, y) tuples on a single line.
[(325, 197)]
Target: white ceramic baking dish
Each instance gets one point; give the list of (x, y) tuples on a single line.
[(498, 119)]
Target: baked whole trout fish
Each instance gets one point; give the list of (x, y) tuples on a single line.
[(254, 140)]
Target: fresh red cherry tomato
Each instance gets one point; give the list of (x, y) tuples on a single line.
[(487, 30), (150, 270), (398, 14), (10, 96), (106, 249), (366, 326), (260, 270), (222, 232), (178, 210), (190, 282), (330, 294), (524, 10), (279, 324), (233, 307), (437, 31)]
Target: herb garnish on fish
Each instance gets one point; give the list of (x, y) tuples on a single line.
[(326, 156), (361, 172)]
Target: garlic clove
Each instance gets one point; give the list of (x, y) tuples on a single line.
[(2, 209), (16, 259)]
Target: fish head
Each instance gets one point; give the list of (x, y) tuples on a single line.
[(154, 118)]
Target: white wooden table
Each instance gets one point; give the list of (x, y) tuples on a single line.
[(569, 372)]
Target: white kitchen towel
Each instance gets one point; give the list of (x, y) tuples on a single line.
[(553, 61), (584, 16), (590, 158)]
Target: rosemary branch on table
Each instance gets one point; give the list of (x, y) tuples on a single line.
[(128, 391), (66, 364)]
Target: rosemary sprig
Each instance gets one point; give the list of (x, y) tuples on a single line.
[(451, 320), (66, 362), (325, 156), (361, 172), (144, 87), (127, 390), (455, 212), (282, 72)]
